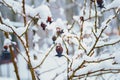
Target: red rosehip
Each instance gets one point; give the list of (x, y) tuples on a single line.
[(43, 25), (5, 47), (49, 19), (82, 18), (59, 50)]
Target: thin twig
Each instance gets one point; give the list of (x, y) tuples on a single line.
[(95, 16), (67, 52), (113, 43), (52, 47)]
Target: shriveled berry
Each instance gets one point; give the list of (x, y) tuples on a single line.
[(43, 25), (59, 50), (82, 18)]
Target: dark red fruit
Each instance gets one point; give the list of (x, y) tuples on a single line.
[(59, 50), (5, 47), (43, 25), (49, 19), (82, 18)]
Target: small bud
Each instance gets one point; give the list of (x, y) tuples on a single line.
[(54, 39)]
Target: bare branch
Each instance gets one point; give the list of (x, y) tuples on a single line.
[(52, 47)]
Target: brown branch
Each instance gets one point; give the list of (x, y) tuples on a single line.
[(108, 9), (80, 45), (21, 54), (8, 5), (90, 9), (98, 61), (89, 53), (27, 44), (52, 47), (84, 7), (12, 58), (81, 30), (67, 52), (58, 75), (71, 26), (25, 22), (113, 43), (95, 16), (14, 63), (98, 72)]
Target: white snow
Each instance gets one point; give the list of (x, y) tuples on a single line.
[(53, 67), (5, 78), (7, 42), (20, 31), (36, 38), (113, 4)]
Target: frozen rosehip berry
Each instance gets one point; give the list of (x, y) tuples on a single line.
[(5, 47), (43, 25), (82, 18), (49, 19), (59, 50)]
